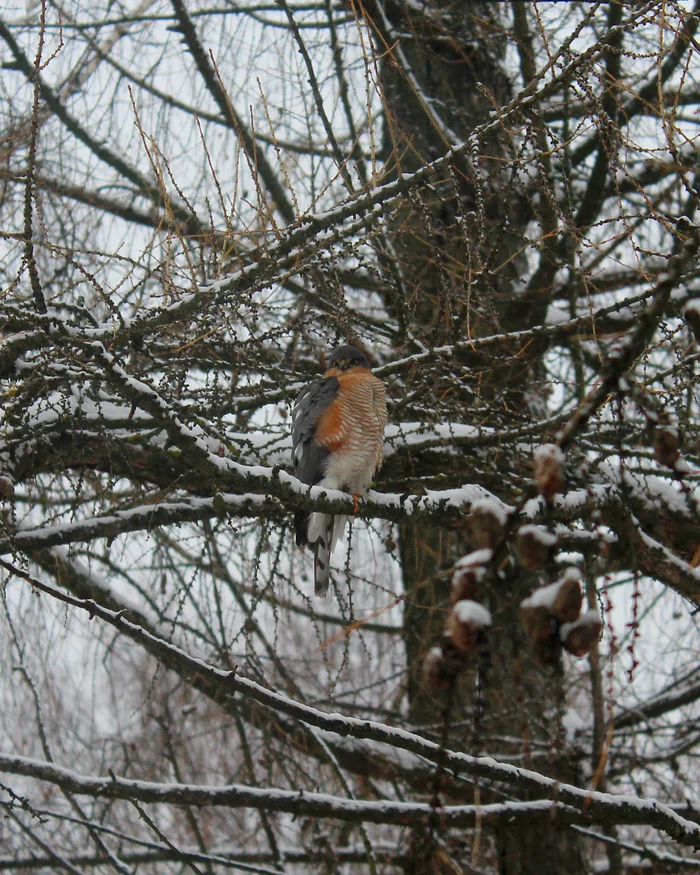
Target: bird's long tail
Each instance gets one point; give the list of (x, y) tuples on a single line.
[(323, 546), (324, 532)]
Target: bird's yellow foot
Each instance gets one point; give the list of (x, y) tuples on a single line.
[(356, 501)]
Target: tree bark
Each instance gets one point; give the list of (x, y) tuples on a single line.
[(459, 244)]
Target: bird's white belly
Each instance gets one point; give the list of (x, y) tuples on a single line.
[(351, 469)]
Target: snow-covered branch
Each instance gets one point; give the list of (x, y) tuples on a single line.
[(592, 807)]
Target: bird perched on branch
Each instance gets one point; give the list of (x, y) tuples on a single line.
[(338, 427)]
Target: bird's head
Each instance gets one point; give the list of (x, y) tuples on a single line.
[(344, 359)]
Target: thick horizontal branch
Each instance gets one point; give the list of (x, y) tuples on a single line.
[(293, 495), (238, 861), (587, 326), (676, 695), (599, 807), (226, 855), (296, 802), (303, 803), (280, 494), (92, 594), (667, 862), (145, 519), (659, 562)]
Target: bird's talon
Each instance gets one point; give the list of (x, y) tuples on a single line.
[(355, 502)]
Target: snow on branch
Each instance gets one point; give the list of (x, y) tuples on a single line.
[(626, 355), (617, 810), (283, 493), (297, 802), (269, 263), (599, 807), (658, 561)]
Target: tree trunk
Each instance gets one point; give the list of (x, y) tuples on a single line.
[(459, 247)]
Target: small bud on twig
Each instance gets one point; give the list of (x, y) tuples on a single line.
[(469, 575), (466, 622), (534, 545), (561, 599), (443, 664), (569, 598), (691, 314), (436, 670), (549, 470), (487, 522), (666, 450), (579, 637)]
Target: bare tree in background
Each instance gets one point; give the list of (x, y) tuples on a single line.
[(497, 202)]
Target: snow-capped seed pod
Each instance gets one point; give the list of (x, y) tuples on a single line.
[(549, 470), (455, 659), (466, 623), (443, 664), (466, 584), (477, 557), (468, 576), (688, 232), (561, 599), (666, 450), (580, 636), (568, 598), (487, 523), (538, 622), (7, 486), (437, 671), (534, 545), (691, 314)]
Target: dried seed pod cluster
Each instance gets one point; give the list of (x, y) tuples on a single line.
[(7, 486), (549, 470), (552, 614), (487, 523), (666, 446), (467, 622), (580, 636), (691, 314), (441, 667), (534, 546), (469, 575)]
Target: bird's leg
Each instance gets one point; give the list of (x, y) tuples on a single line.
[(356, 501)]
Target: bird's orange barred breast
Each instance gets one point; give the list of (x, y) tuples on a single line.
[(356, 419)]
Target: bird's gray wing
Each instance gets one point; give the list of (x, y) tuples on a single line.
[(308, 455)]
